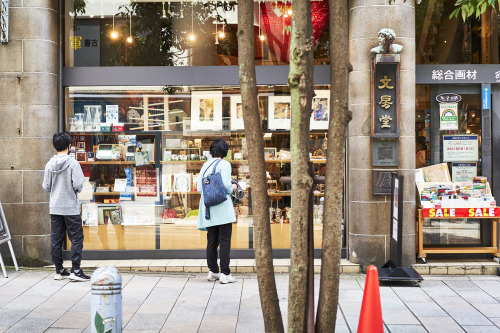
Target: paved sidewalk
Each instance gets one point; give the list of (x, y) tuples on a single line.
[(31, 301)]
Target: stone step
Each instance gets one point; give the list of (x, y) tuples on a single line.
[(458, 267), (200, 265)]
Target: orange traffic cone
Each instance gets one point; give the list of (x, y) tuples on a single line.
[(370, 318)]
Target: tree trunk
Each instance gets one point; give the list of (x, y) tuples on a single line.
[(301, 84), (273, 321), (335, 166)]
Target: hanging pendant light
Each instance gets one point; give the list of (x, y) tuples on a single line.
[(261, 37), (192, 37), (164, 13), (286, 13), (114, 34), (216, 28), (169, 11), (130, 39), (182, 9)]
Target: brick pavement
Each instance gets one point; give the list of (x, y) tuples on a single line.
[(31, 301)]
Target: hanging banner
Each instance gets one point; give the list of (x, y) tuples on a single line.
[(448, 115), (463, 172), (460, 148)]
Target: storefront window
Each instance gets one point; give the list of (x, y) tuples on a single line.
[(178, 33), (141, 150), (441, 40)]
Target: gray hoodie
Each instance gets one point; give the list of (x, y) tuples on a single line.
[(63, 178)]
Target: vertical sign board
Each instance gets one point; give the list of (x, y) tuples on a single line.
[(385, 96), (486, 98), (396, 241)]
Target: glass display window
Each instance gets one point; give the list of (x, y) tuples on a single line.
[(180, 33), (141, 150)]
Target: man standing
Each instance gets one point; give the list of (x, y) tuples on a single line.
[(63, 178)]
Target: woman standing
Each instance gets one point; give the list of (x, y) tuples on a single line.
[(221, 216)]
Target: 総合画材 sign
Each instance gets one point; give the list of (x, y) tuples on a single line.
[(448, 116), (463, 172), (460, 148)]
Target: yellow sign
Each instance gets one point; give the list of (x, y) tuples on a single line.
[(385, 120), (385, 101), (76, 42), (385, 83)]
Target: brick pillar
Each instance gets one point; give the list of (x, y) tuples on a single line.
[(369, 215), (28, 111)]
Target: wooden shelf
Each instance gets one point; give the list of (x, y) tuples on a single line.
[(111, 162), (191, 192)]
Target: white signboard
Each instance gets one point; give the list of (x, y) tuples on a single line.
[(448, 116), (460, 148), (463, 172)]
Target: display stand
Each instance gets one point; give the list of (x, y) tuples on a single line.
[(393, 270), (5, 238), (483, 214)]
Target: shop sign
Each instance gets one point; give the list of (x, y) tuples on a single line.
[(460, 148), (463, 172), (448, 98), (460, 212), (445, 74), (486, 98), (385, 100), (448, 116)]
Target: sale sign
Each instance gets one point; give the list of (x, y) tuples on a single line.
[(460, 212)]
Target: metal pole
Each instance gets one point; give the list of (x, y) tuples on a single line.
[(310, 244), (106, 301)]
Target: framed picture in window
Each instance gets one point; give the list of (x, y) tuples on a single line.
[(279, 113), (206, 110), (236, 113), (320, 115)]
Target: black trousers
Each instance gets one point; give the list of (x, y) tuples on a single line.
[(219, 235), (60, 224)]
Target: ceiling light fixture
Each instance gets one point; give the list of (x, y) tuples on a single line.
[(169, 11), (182, 9)]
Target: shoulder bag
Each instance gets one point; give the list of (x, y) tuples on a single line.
[(214, 191)]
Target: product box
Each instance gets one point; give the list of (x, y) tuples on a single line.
[(105, 128), (118, 128)]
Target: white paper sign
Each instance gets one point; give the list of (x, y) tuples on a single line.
[(448, 116), (120, 185), (460, 148), (463, 172), (111, 114)]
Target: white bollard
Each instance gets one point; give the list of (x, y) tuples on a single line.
[(106, 301)]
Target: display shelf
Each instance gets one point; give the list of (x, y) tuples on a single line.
[(289, 194), (111, 162), (191, 192)]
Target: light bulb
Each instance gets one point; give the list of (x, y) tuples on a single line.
[(191, 37), (261, 37), (221, 34), (114, 34), (290, 12), (130, 39)]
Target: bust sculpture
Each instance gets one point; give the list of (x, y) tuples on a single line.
[(386, 38)]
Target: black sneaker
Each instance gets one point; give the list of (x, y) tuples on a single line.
[(79, 276), (60, 275)]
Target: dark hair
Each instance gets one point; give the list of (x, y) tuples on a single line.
[(421, 141), (61, 141), (219, 148)]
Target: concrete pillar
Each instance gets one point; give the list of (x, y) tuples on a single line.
[(28, 111), (369, 215)]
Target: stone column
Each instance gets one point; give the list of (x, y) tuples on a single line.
[(28, 111), (369, 215)]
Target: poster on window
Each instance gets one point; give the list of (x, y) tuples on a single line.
[(320, 115), (460, 148), (206, 110), (448, 116), (463, 172), (146, 182), (236, 113), (279, 113), (111, 114)]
